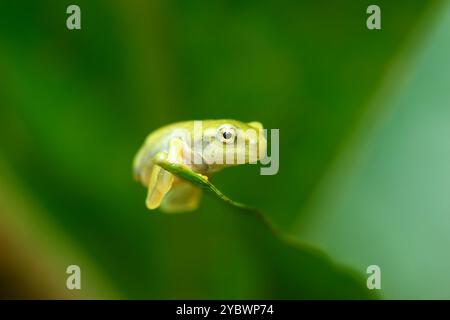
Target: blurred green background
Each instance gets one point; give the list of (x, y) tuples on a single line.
[(364, 121)]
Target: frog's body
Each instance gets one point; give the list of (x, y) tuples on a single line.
[(182, 144)]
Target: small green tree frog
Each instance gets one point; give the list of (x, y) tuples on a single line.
[(202, 146)]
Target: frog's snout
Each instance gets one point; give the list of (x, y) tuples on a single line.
[(262, 146), (258, 145)]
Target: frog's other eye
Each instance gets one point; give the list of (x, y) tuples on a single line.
[(227, 134)]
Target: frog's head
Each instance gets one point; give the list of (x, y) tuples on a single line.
[(230, 142)]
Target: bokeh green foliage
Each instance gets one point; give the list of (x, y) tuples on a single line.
[(389, 187), (76, 106)]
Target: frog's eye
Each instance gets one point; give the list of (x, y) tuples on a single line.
[(226, 134)]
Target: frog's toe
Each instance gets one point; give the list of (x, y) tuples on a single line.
[(160, 183), (161, 180)]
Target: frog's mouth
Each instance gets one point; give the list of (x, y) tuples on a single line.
[(252, 149)]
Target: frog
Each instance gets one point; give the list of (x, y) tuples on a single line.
[(203, 147)]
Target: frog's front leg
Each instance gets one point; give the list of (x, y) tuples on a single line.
[(161, 180)]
